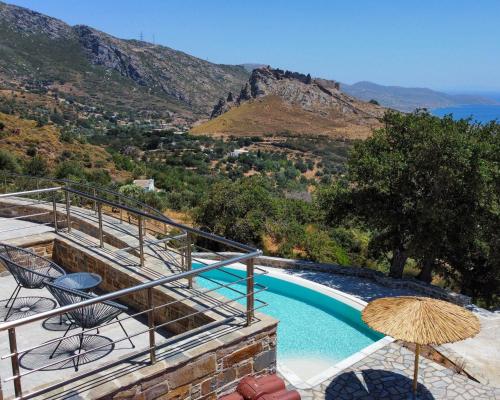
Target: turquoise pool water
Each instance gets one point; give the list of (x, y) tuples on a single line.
[(312, 325)]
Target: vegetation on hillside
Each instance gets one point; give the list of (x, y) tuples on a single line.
[(419, 198), (26, 147)]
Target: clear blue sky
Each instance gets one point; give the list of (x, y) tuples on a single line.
[(443, 44)]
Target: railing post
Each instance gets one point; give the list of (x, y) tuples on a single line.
[(141, 240), (151, 325), (95, 201), (68, 211), (250, 291), (99, 215), (54, 210), (165, 232), (15, 362), (189, 262)]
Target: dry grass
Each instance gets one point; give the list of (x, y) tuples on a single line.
[(19, 135), (271, 115), (420, 320)]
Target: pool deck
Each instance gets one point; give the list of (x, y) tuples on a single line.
[(387, 373)]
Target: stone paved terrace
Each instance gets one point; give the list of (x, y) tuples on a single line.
[(388, 374), (39, 300), (201, 363), (479, 356)]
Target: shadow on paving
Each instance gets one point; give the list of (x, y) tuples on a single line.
[(25, 307), (374, 384)]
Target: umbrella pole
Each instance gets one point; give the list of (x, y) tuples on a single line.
[(415, 370)]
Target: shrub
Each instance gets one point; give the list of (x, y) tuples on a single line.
[(8, 162), (320, 247), (31, 151), (37, 166)]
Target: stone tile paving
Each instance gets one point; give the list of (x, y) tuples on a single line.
[(363, 288), (388, 374)]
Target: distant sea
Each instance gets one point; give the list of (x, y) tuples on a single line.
[(479, 113)]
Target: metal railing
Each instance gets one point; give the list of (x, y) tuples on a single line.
[(28, 182), (151, 237)]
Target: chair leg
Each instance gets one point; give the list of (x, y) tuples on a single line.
[(60, 341), (13, 297), (79, 351), (18, 287), (126, 334)]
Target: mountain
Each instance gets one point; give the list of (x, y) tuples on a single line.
[(94, 67), (408, 99), (274, 101)]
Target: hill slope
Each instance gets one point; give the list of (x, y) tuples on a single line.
[(408, 99), (38, 50), (18, 135), (275, 101)]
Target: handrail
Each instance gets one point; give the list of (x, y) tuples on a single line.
[(87, 185), (122, 292), (13, 194), (165, 220), (143, 215)]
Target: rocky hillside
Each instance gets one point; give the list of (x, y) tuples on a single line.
[(277, 101), (41, 52)]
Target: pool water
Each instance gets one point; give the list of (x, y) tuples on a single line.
[(313, 327)]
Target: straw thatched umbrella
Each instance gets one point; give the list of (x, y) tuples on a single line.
[(420, 320)]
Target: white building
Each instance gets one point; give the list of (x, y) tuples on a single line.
[(147, 184), (236, 153)]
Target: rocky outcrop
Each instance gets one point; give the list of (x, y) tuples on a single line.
[(314, 95), (187, 79), (102, 51)]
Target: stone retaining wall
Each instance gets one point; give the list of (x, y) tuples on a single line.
[(74, 258), (205, 377), (377, 276)]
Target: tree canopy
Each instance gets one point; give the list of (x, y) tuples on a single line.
[(428, 189)]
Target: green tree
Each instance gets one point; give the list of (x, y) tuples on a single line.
[(237, 210), (422, 185)]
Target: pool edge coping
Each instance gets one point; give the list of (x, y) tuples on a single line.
[(338, 295)]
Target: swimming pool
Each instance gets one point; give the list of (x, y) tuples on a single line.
[(317, 329)]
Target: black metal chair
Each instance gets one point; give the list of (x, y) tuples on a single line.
[(30, 270), (86, 317)]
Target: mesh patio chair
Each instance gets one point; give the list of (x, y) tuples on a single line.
[(86, 317), (30, 270)]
